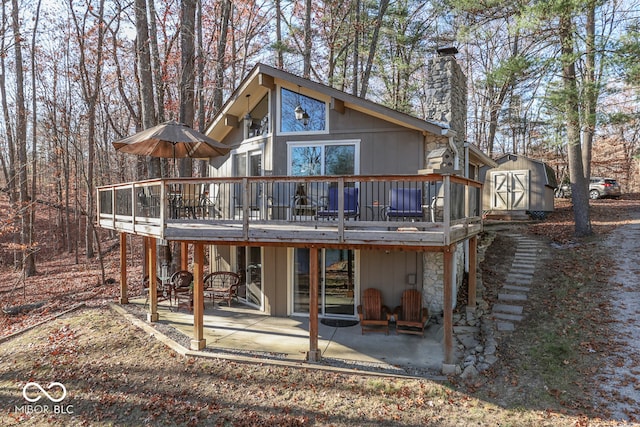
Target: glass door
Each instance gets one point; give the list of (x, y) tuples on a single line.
[(249, 266), (336, 280), (248, 163)]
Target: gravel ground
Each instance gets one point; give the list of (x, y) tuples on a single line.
[(620, 380)]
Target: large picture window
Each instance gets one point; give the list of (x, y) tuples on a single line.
[(316, 120), (331, 158)]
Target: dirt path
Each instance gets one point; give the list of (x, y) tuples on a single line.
[(620, 379)]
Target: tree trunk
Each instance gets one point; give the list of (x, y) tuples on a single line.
[(28, 262), (364, 83), (591, 92), (34, 125), (356, 50), (306, 72), (10, 177), (148, 112), (280, 55), (155, 61), (579, 193), (218, 94), (186, 84)]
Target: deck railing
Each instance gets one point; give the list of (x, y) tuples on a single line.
[(370, 202)]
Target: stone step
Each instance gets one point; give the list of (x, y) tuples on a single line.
[(528, 265), (528, 270), (507, 308), (526, 257), (509, 317), (465, 330), (529, 244), (505, 326), (514, 288), (519, 281), (512, 297)]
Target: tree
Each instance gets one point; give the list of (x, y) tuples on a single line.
[(148, 110), (28, 262), (579, 193), (91, 78)]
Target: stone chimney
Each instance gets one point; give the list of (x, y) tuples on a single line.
[(445, 104), (446, 94)]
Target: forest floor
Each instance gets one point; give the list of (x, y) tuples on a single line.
[(115, 374)]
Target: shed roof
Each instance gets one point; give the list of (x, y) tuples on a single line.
[(547, 171)]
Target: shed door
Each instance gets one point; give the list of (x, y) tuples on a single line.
[(510, 190)]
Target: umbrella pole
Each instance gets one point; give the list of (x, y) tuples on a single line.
[(175, 174)]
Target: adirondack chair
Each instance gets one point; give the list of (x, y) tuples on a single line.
[(411, 317), (374, 316)]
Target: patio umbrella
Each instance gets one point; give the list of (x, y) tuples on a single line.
[(171, 139)]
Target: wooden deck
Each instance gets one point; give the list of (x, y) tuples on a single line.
[(267, 211)]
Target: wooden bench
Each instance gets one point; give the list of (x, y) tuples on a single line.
[(221, 285)]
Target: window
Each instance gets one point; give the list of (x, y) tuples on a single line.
[(317, 111), (328, 158)]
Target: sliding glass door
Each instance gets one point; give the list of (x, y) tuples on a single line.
[(336, 280)]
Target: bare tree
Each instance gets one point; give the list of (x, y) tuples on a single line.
[(373, 45), (34, 127), (145, 76), (187, 79), (28, 262)]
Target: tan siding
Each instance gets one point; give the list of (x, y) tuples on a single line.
[(388, 272)]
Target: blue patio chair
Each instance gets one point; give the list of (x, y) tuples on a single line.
[(350, 204), (405, 203)]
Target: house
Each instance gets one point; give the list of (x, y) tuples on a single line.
[(323, 196), (518, 186)]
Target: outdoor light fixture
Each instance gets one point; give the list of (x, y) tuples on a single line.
[(300, 113), (248, 120)]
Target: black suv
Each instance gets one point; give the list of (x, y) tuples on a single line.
[(598, 188)]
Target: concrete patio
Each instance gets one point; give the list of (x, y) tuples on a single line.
[(242, 331)]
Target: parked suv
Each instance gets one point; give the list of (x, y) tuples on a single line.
[(598, 188), (603, 187)]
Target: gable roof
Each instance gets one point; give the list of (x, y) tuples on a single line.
[(264, 78), (548, 172)]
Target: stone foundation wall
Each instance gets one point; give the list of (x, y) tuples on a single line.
[(433, 280)]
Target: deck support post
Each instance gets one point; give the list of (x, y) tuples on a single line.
[(473, 256), (198, 342), (314, 354), (150, 243), (448, 304), (184, 256), (124, 297)]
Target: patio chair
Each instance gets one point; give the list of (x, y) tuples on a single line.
[(374, 316), (181, 284), (163, 291), (221, 285), (405, 203), (411, 317), (330, 210)]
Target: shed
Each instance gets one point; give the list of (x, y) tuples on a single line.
[(518, 186)]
